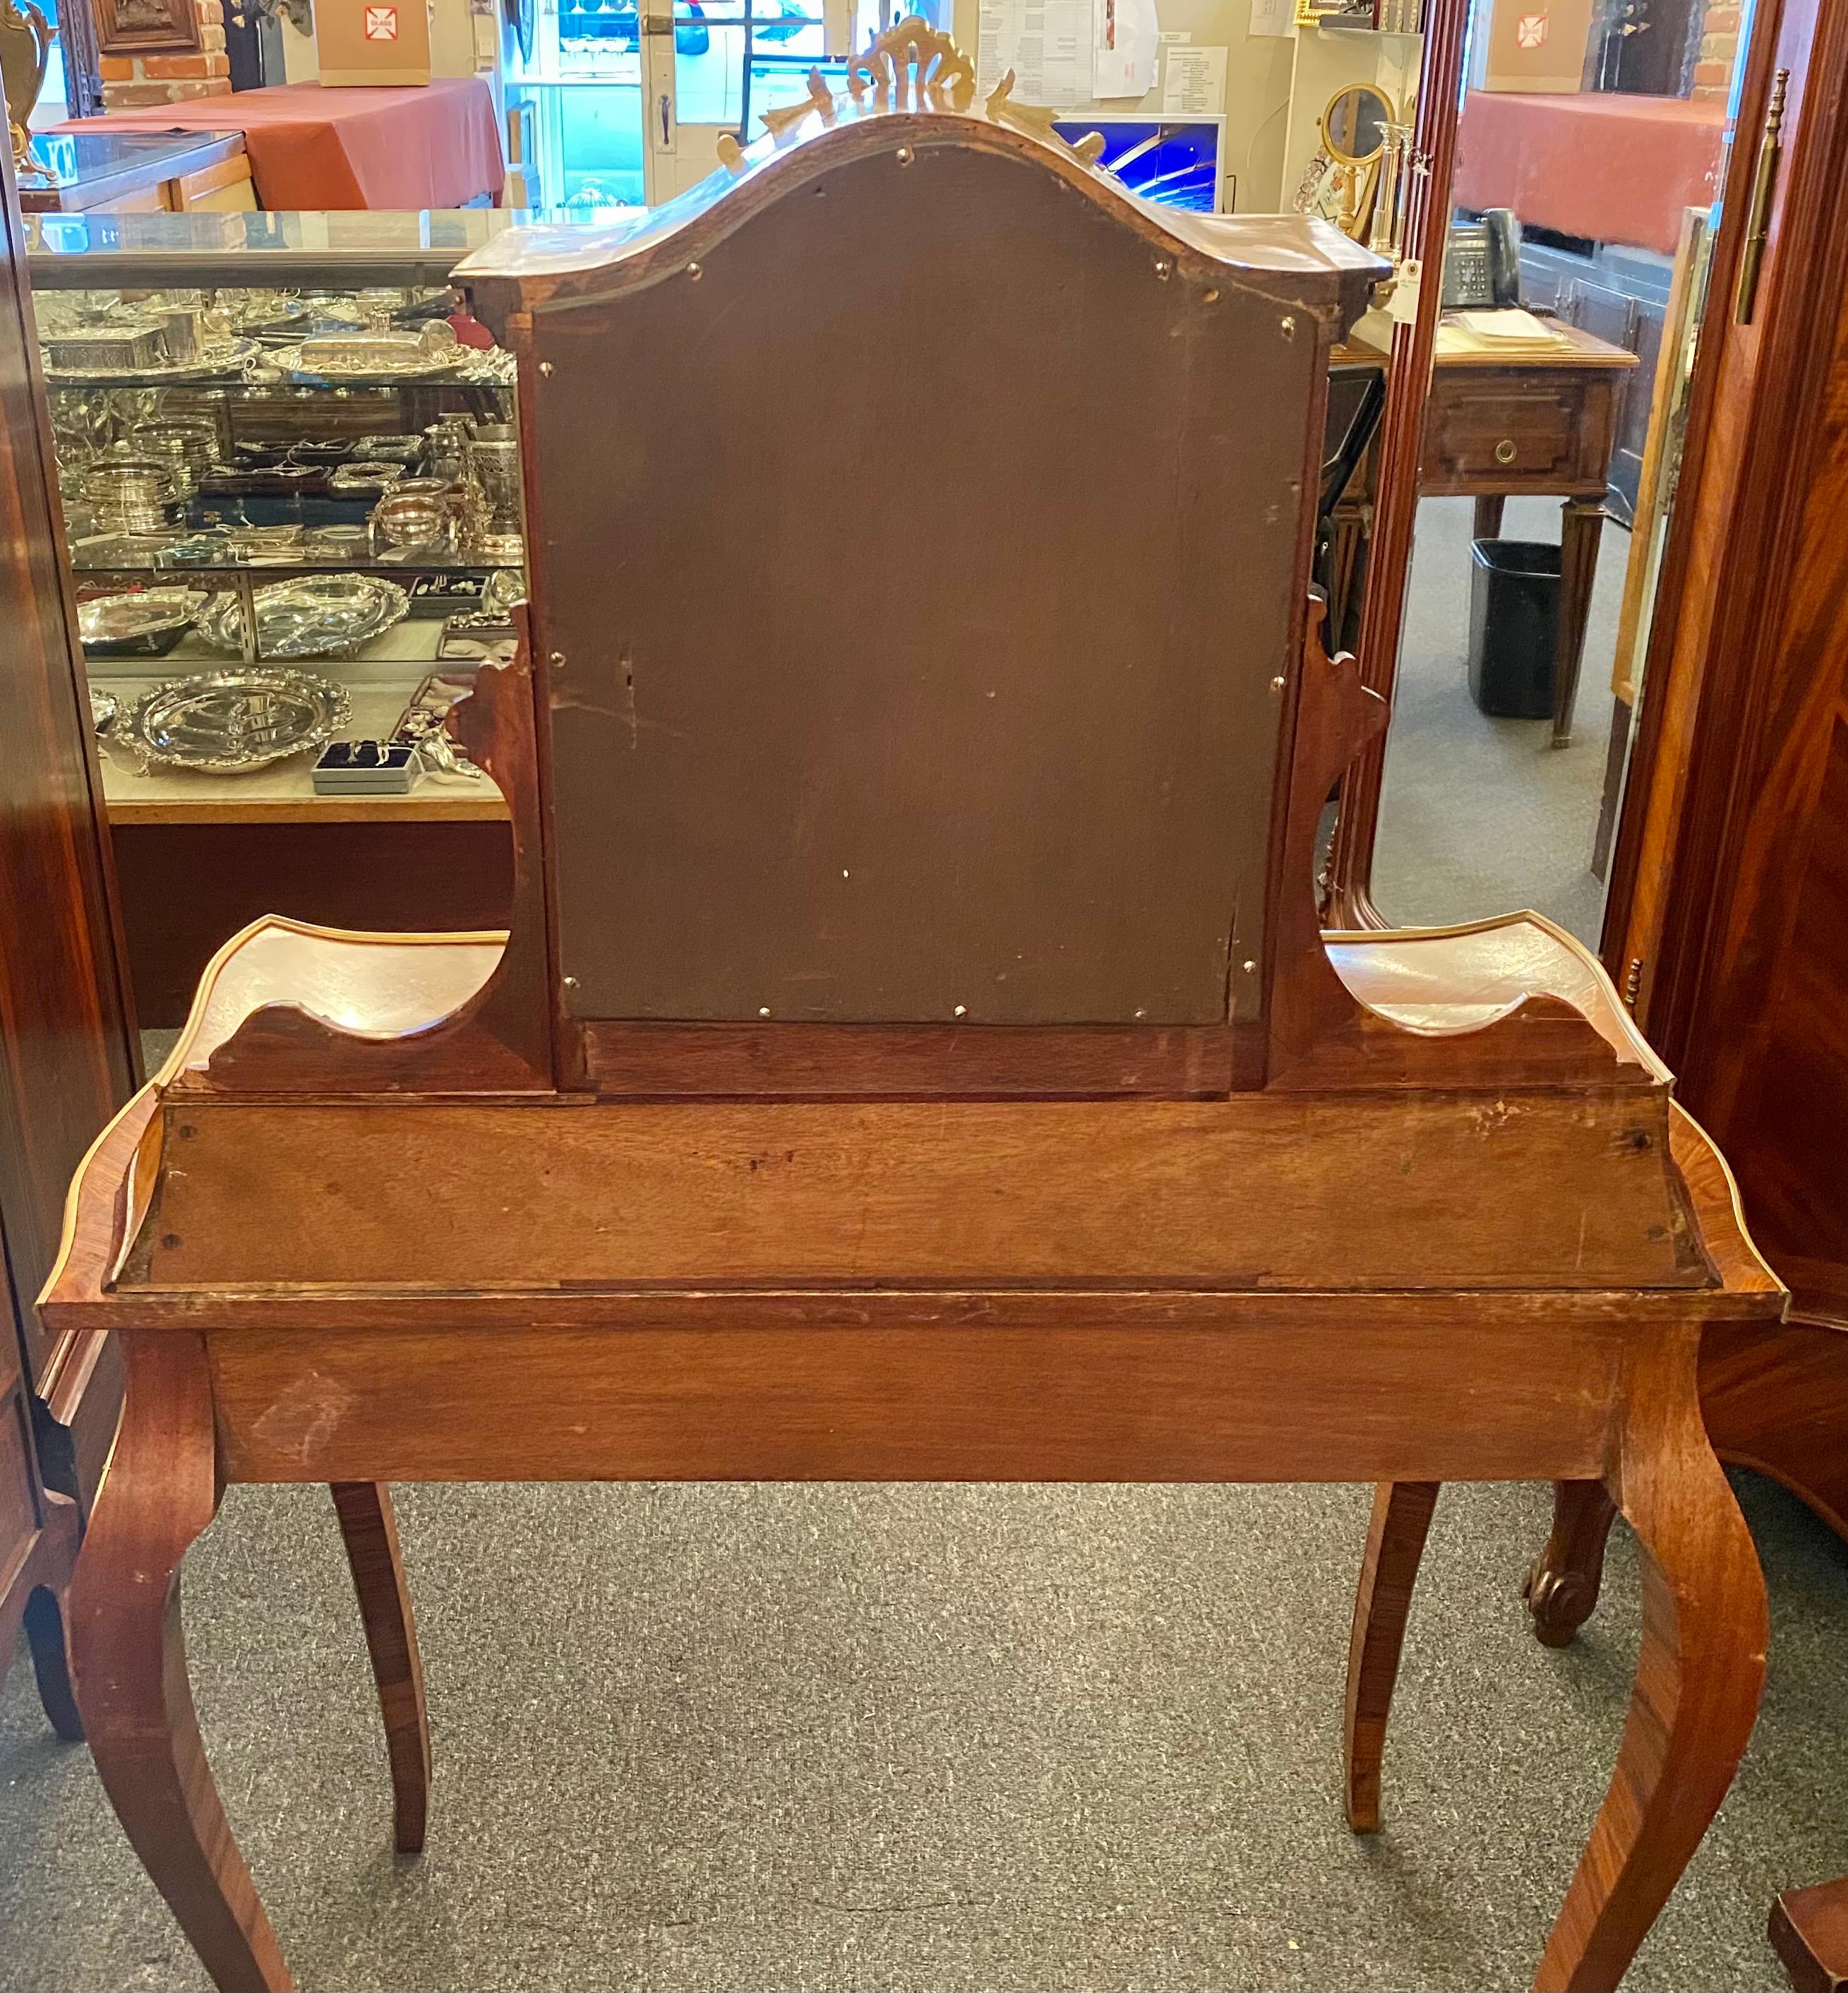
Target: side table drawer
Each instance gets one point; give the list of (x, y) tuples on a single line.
[(1486, 429)]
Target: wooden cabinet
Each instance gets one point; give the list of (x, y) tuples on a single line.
[(67, 1057), (138, 172), (38, 1549)]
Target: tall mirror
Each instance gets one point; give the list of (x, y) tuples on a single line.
[(1550, 431)]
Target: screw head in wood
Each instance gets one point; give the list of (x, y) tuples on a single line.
[(1288, 326), (546, 367), (905, 155), (695, 271)]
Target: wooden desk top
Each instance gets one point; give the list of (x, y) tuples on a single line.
[(1581, 349)]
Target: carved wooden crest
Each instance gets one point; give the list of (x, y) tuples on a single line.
[(917, 66)]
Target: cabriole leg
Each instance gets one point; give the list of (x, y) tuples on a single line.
[(1395, 1542), (1698, 1678), (130, 1659), (1561, 1588), (370, 1531)]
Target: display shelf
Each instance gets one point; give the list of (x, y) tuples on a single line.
[(317, 384), (180, 574), (340, 250), (284, 791)]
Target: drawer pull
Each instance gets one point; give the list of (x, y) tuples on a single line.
[(1504, 450)]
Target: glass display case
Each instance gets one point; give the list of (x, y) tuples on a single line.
[(290, 475), (275, 470)]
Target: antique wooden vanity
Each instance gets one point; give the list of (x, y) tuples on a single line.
[(914, 1055)]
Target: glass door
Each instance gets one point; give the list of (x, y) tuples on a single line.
[(714, 66)]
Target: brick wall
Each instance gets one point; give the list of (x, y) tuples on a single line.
[(132, 81), (1719, 46)]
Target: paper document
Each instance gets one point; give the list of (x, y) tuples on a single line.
[(1508, 328), (1126, 40), (1194, 83), (1272, 18), (1513, 333), (1047, 43)]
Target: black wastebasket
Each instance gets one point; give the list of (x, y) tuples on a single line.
[(1514, 627)]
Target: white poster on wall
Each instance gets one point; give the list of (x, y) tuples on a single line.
[(1193, 83), (1274, 18), (1126, 42)]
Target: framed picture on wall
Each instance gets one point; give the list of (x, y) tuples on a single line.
[(142, 27)]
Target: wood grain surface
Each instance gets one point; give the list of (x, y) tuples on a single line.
[(68, 1057), (1274, 1390), (1382, 1603), (1261, 1191), (130, 1653), (369, 1529)]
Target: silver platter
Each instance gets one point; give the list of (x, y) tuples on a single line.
[(118, 619), (314, 616), (229, 722), (397, 356), (104, 707), (230, 356)]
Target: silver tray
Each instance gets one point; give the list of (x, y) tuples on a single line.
[(390, 355), (137, 620), (229, 722), (313, 616), (104, 707)]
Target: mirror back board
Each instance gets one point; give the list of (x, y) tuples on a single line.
[(920, 533)]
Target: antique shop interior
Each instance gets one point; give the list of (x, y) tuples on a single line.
[(884, 854)]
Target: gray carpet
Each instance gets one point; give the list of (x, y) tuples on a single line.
[(908, 1737), (1479, 816), (717, 1737)]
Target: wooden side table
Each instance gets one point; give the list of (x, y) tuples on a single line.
[(1542, 426)]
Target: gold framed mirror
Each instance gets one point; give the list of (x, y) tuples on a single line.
[(1354, 123), (1355, 127)]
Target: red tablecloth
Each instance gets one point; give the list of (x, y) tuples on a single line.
[(1610, 168), (437, 146)]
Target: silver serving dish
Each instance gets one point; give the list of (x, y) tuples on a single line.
[(389, 448), (146, 622), (365, 474), (390, 355), (313, 616), (232, 721), (252, 311), (336, 543), (257, 543), (104, 707)]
